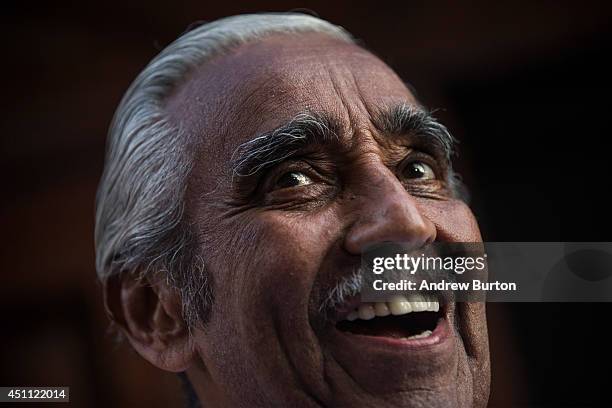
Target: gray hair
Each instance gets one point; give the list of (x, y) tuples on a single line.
[(140, 220)]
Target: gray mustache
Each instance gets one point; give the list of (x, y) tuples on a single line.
[(352, 285), (348, 286)]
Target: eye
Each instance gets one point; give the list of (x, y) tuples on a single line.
[(419, 170), (292, 179)]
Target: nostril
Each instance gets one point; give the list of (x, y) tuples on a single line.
[(364, 235)]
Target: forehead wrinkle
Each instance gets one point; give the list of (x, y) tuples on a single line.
[(353, 105), (268, 98), (274, 88), (347, 109), (253, 101)]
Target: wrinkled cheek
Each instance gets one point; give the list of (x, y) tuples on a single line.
[(455, 222), (274, 250), (264, 277), (453, 219)]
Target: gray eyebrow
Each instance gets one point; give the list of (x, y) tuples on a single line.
[(309, 128), (276, 145), (405, 119)]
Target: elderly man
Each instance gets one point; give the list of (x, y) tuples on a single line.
[(248, 166)]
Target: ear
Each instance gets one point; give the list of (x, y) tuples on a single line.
[(148, 312)]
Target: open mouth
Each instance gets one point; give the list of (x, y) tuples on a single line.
[(414, 317)]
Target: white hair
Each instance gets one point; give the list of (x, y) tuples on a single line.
[(140, 224)]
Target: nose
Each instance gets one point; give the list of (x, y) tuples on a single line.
[(387, 213)]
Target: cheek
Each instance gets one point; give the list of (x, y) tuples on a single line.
[(272, 257), (264, 275), (453, 219)]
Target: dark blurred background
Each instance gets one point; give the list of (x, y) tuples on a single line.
[(524, 86)]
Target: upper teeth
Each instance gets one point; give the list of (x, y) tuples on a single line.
[(398, 305)]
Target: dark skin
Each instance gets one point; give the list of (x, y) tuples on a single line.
[(275, 242)]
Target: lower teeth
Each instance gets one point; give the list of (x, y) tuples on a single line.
[(424, 334)]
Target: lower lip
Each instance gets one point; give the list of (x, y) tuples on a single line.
[(439, 336), (405, 363)]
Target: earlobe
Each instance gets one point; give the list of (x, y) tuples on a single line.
[(149, 314)]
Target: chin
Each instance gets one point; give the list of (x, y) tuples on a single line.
[(407, 352)]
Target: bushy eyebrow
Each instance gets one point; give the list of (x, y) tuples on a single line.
[(418, 123), (276, 145), (306, 129)]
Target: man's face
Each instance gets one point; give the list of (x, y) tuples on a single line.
[(279, 228)]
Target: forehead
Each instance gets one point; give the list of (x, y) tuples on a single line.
[(259, 86)]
